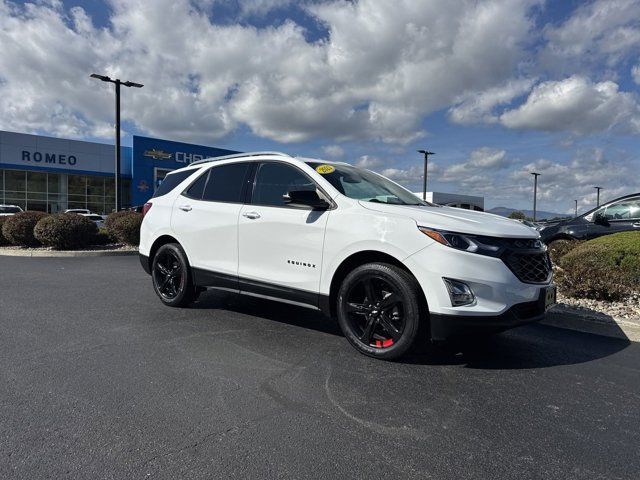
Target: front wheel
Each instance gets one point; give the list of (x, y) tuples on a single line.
[(171, 276), (379, 310)]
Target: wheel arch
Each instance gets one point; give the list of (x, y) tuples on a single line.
[(328, 306), (158, 242)]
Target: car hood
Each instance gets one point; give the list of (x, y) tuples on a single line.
[(457, 220)]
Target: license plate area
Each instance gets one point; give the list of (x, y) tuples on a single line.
[(549, 297)]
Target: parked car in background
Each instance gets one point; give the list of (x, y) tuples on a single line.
[(77, 210), (346, 241), (95, 218), (9, 210), (619, 215)]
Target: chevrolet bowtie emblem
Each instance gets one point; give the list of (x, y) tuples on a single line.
[(158, 154)]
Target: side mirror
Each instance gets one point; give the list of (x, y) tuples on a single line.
[(307, 198), (600, 219)]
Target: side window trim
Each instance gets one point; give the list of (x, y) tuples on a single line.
[(254, 179)]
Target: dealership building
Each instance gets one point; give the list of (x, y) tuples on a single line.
[(54, 174)]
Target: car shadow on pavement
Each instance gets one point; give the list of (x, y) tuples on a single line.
[(531, 346)]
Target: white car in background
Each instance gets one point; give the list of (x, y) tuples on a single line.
[(6, 210), (78, 210), (346, 241), (95, 218)]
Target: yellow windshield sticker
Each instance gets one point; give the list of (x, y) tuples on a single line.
[(324, 169)]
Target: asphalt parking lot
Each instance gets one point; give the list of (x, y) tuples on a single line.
[(99, 380)]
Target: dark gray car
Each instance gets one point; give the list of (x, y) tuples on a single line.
[(619, 215)]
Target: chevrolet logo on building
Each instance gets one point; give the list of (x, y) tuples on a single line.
[(158, 154)]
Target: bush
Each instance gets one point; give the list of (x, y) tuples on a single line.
[(102, 237), (124, 227), (18, 228), (559, 248), (3, 241), (606, 268), (64, 231)]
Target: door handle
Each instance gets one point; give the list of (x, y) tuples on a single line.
[(185, 208), (251, 215)]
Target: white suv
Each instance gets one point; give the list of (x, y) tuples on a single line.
[(346, 241)]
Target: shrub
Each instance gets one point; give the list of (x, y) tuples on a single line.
[(18, 228), (606, 268), (124, 227), (3, 241), (559, 248), (101, 237), (64, 231)]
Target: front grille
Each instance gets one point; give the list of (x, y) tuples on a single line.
[(530, 267)]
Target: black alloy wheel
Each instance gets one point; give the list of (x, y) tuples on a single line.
[(171, 276), (379, 310)]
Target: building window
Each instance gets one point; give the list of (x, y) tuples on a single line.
[(55, 192)]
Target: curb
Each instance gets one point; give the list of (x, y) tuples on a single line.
[(621, 328), (67, 253)]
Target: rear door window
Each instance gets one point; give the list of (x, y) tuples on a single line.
[(226, 183)]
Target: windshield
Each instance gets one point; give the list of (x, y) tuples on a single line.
[(10, 210), (362, 184)]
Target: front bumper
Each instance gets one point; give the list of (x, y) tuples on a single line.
[(497, 290), (445, 326)]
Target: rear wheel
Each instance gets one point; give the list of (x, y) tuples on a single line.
[(171, 275), (379, 310)]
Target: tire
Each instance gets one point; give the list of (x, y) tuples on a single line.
[(387, 327), (171, 276)]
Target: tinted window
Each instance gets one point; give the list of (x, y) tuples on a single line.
[(171, 181), (273, 180), (226, 182), (624, 210), (197, 188)]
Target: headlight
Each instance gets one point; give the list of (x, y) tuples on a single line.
[(467, 243)]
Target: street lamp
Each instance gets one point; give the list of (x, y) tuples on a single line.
[(535, 193), (424, 178), (117, 83), (576, 207), (598, 199)]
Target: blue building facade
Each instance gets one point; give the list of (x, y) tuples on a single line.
[(53, 174), (153, 158)]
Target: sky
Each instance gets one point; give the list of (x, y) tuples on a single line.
[(497, 89)]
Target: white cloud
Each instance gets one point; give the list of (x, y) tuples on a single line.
[(576, 105), (561, 183), (478, 107), (475, 173), (382, 69), (370, 163), (601, 30), (333, 151), (635, 74)]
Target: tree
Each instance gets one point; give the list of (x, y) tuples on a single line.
[(517, 215)]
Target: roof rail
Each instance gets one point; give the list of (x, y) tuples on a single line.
[(239, 155)]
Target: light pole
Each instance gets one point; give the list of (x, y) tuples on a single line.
[(598, 198), (117, 83), (424, 178), (535, 193), (576, 207)]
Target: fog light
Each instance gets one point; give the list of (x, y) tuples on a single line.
[(459, 292)]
